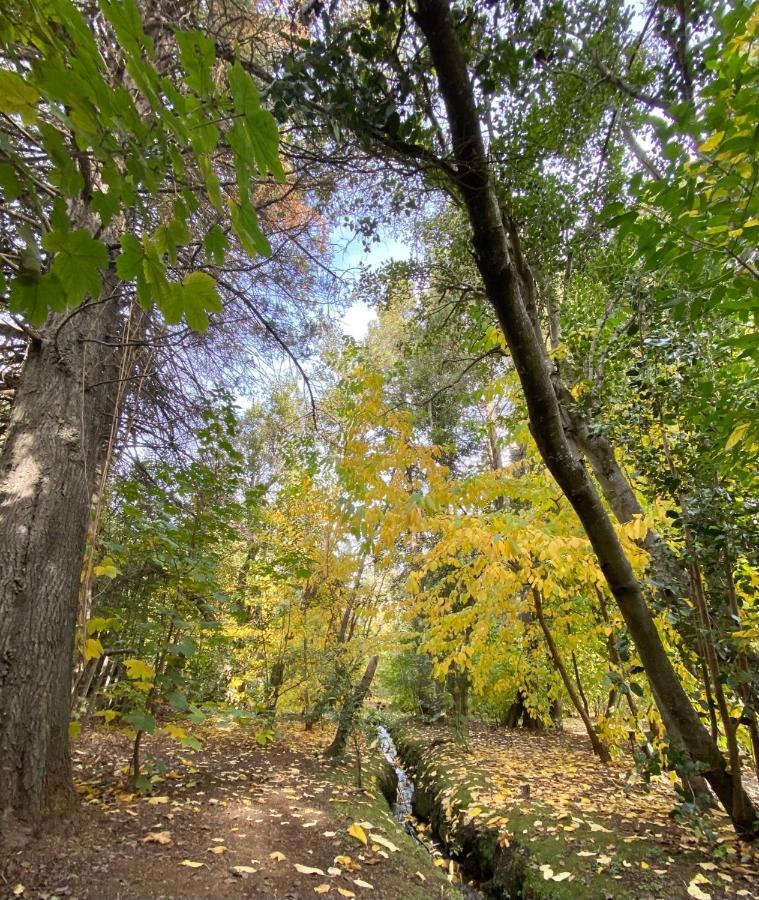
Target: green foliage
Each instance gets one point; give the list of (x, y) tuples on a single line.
[(105, 156)]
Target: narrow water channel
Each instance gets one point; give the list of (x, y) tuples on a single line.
[(403, 812)]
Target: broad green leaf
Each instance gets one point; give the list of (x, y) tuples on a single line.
[(198, 54), (199, 297), (77, 263), (141, 720), (129, 261), (245, 226), (18, 96), (35, 296), (216, 244), (178, 701)]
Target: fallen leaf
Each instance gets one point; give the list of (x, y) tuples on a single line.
[(18, 889), (547, 871), (357, 832), (244, 870), (344, 892), (308, 870), (218, 849), (191, 864), (333, 870), (363, 884), (157, 837), (277, 856), (695, 891), (384, 842), (562, 876), (322, 888), (420, 876)]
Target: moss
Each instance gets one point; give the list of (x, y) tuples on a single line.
[(373, 803), (512, 869)]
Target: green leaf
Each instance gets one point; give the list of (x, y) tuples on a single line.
[(9, 183), (77, 263), (197, 716), (245, 226), (186, 647), (216, 244), (143, 784), (199, 296), (178, 701), (140, 720), (34, 296), (198, 54), (129, 262), (190, 742), (17, 96)]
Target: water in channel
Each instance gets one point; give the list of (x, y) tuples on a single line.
[(403, 813)]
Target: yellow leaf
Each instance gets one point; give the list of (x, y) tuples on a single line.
[(138, 669), (154, 801), (75, 728), (384, 842), (344, 892), (106, 568), (277, 856), (244, 870), (711, 142), (695, 891), (217, 850), (308, 870), (322, 888), (191, 864), (157, 837), (92, 649), (738, 434), (174, 731), (363, 884), (357, 832)]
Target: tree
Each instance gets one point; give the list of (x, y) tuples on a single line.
[(87, 166)]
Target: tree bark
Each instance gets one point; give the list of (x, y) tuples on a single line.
[(504, 288), (55, 447), (349, 710), (599, 748)]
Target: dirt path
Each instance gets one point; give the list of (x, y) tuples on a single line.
[(231, 821)]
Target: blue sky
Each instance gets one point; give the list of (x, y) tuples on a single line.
[(355, 321)]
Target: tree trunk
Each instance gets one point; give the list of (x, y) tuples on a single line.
[(500, 266), (599, 748), (56, 441), (349, 710)]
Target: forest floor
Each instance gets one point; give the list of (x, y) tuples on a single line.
[(574, 827), (238, 820), (234, 820)]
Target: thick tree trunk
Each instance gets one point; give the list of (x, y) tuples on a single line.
[(504, 288), (349, 710), (56, 439)]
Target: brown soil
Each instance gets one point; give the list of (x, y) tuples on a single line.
[(232, 804)]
